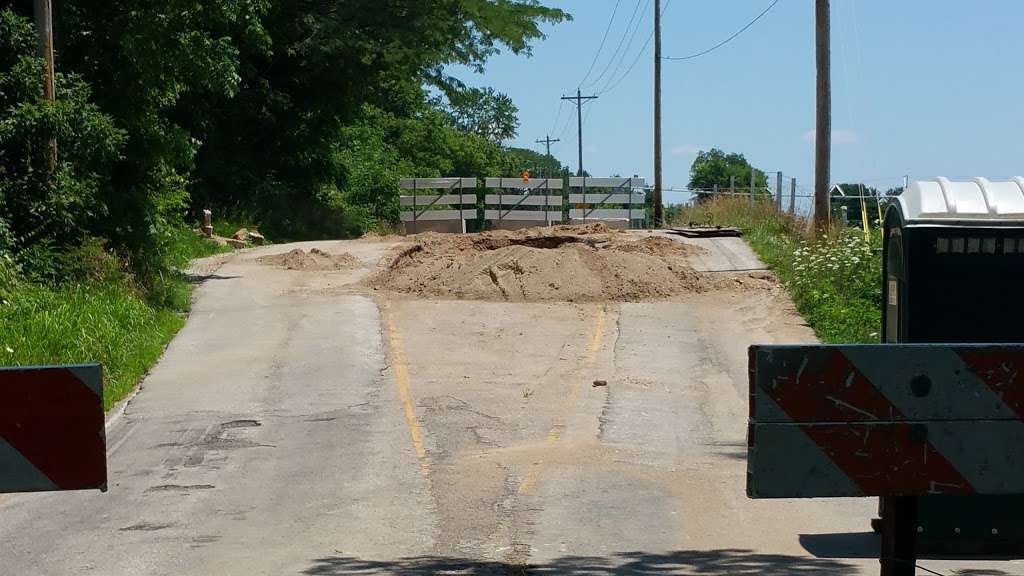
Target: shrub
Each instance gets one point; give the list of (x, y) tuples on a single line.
[(42, 212)]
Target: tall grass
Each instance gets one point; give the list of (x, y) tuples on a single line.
[(834, 281), (97, 313), (73, 324)]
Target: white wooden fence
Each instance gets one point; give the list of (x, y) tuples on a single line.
[(533, 200), (434, 199), (606, 199)]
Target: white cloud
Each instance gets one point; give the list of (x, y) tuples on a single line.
[(685, 150), (838, 137)]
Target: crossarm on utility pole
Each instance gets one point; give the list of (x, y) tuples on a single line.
[(579, 99)]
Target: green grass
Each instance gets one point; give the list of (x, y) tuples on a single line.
[(835, 282), (73, 324), (187, 245), (227, 226), (104, 317)]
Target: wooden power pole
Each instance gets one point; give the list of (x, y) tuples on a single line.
[(548, 141), (44, 22), (579, 99), (658, 210), (823, 129)]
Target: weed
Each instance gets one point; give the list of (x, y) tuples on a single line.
[(835, 281), (97, 312), (77, 323)]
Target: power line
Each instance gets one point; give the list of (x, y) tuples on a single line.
[(625, 51), (609, 87), (618, 49), (603, 40), (558, 116), (587, 115), (565, 127), (727, 40), (613, 85)]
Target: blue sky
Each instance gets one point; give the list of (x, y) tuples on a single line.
[(923, 88)]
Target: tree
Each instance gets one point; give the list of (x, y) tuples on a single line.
[(850, 201), (301, 114), (485, 113), (276, 144), (40, 214), (540, 165), (716, 167)]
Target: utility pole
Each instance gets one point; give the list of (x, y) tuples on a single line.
[(823, 138), (44, 22), (579, 99), (548, 141), (658, 210)]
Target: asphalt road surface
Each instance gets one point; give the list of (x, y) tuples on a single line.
[(302, 424)]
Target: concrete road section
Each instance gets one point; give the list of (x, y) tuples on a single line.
[(303, 423)]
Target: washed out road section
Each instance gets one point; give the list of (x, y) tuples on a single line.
[(311, 420)]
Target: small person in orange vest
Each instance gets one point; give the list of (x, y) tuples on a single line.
[(526, 176)]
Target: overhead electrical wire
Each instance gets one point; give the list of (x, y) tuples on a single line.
[(618, 48), (565, 127), (727, 40), (613, 85), (625, 52), (604, 38), (558, 116)]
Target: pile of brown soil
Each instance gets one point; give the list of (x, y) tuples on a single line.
[(562, 263), (315, 259)]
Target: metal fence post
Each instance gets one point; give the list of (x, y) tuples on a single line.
[(792, 195), (753, 183), (778, 191)]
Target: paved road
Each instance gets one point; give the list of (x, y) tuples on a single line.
[(300, 424)]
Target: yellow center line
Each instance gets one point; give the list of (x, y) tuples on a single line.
[(401, 369), (555, 434)]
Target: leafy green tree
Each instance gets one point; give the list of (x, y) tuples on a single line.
[(276, 144), (381, 148), (150, 64), (42, 212), (302, 114), (849, 202), (715, 167), (540, 165), (485, 113)]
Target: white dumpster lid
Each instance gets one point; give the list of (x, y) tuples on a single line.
[(942, 201)]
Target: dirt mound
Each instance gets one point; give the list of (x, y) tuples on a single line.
[(315, 259), (562, 263)]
